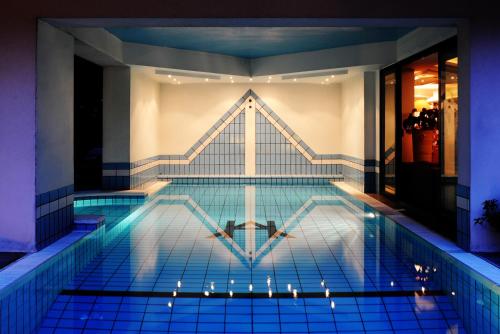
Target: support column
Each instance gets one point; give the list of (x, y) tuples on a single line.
[(116, 128), (17, 133), (484, 128), (463, 140), (54, 136), (370, 134)]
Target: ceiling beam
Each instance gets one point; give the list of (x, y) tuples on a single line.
[(348, 56), (156, 56)]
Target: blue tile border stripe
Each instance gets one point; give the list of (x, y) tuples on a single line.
[(54, 215), (115, 182), (116, 165), (85, 201), (54, 195), (463, 191), (268, 180)]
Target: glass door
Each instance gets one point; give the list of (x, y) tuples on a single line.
[(418, 140)]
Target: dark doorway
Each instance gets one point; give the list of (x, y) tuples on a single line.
[(88, 125)]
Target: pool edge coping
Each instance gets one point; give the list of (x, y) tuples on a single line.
[(148, 191), (21, 268)]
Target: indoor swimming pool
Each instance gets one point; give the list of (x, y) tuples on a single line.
[(261, 258)]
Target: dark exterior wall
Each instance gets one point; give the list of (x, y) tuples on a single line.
[(232, 9)]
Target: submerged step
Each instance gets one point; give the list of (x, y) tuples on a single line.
[(88, 222)]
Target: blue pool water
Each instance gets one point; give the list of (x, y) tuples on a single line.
[(255, 258)]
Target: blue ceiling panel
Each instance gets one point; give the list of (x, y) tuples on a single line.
[(254, 42)]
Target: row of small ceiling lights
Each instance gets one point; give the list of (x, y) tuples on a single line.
[(174, 80), (326, 81), (178, 82), (269, 78)]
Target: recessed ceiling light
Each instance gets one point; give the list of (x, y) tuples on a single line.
[(327, 79), (175, 79), (232, 81), (230, 78), (294, 79), (206, 79), (250, 79), (169, 76), (333, 76), (270, 78)]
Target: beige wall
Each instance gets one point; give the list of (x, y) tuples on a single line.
[(311, 110), (169, 119), (144, 116), (352, 115), (188, 111)]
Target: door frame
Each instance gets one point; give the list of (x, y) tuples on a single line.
[(444, 47)]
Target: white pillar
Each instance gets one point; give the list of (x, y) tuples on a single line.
[(250, 136), (116, 128)]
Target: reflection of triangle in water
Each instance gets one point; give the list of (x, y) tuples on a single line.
[(228, 231), (270, 227), (237, 245)]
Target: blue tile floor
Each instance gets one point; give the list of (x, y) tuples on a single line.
[(253, 241), (91, 314)]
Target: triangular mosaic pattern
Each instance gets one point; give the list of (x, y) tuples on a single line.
[(280, 151), (224, 154)]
